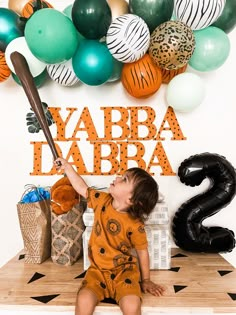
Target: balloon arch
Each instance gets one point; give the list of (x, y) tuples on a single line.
[(143, 44)]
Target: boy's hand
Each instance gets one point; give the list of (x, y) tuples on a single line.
[(60, 164), (150, 287)]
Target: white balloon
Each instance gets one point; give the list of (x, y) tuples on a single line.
[(63, 73), (198, 14), (128, 38), (185, 92), (19, 44)]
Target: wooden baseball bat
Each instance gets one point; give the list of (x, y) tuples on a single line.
[(22, 71)]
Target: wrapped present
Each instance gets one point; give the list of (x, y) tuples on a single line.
[(158, 216), (88, 217), (86, 236), (159, 246), (34, 215)]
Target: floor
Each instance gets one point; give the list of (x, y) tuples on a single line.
[(196, 283)]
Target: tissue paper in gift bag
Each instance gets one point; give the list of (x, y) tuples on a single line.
[(34, 215)]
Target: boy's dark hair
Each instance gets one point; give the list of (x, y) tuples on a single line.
[(145, 193)]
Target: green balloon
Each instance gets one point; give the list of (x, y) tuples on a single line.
[(212, 49), (117, 69), (227, 19), (38, 81), (117, 66), (153, 12), (67, 11), (92, 18), (10, 27), (51, 36)]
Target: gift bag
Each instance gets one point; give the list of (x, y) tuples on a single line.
[(34, 215), (67, 230)]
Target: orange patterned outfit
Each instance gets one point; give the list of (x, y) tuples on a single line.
[(113, 271)]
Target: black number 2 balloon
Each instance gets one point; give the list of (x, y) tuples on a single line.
[(188, 230)]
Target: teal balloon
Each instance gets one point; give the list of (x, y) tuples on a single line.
[(38, 81), (153, 12), (51, 36), (227, 19), (92, 62), (92, 18), (10, 27), (212, 49)]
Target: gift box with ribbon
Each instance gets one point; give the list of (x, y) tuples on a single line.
[(158, 236)]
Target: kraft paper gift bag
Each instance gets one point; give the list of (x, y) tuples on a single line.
[(34, 215), (67, 230)]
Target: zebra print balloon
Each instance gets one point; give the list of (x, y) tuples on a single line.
[(198, 14), (128, 38), (63, 73)]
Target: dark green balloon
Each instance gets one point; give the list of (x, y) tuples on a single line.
[(227, 20), (92, 18), (153, 12), (10, 27)]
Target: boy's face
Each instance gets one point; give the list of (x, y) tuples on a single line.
[(121, 188)]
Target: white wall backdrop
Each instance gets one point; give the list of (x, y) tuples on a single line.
[(209, 128)]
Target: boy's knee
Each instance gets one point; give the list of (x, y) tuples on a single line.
[(130, 304), (86, 302)]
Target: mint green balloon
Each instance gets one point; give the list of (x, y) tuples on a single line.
[(212, 49), (51, 36), (67, 11), (185, 92)]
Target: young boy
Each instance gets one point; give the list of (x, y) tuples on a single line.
[(118, 227)]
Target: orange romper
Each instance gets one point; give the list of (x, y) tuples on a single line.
[(114, 271)]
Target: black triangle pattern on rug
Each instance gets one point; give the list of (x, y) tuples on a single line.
[(109, 300), (233, 296), (82, 275), (45, 298), (178, 288), (175, 269), (36, 276), (224, 272), (22, 256), (179, 255)]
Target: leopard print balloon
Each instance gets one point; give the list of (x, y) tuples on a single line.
[(171, 45)]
